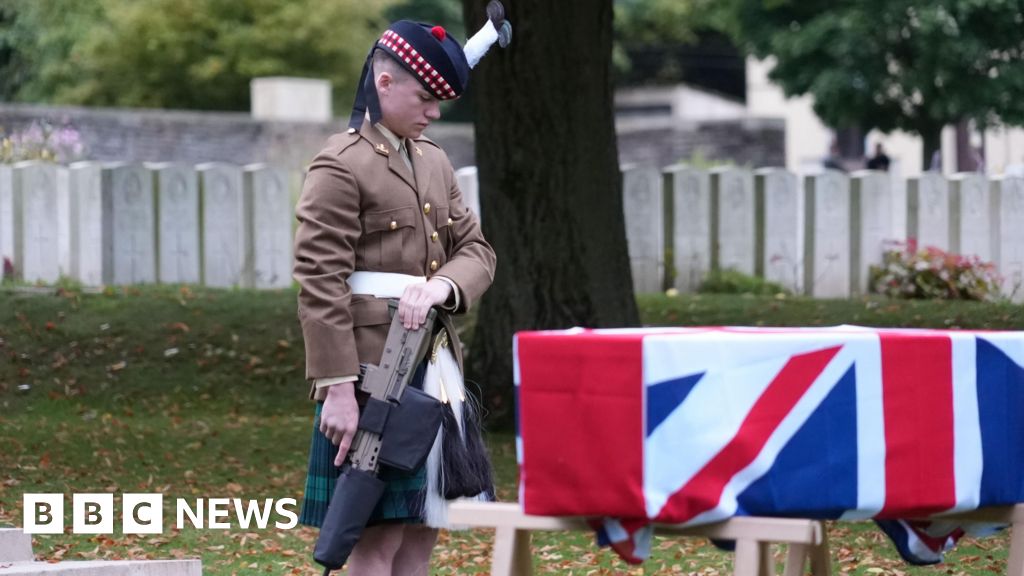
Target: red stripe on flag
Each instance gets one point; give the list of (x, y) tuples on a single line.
[(581, 423), (704, 490), (917, 391)]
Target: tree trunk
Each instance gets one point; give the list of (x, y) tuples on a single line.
[(550, 188), (931, 139)]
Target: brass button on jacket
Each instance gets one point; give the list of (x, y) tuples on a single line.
[(433, 237), (426, 208), (393, 225), (433, 265), (450, 221)]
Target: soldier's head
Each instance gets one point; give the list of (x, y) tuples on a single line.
[(406, 107), (413, 66), (409, 70)]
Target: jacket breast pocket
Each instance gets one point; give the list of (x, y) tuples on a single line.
[(384, 234)]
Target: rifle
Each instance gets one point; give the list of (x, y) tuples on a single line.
[(397, 427)]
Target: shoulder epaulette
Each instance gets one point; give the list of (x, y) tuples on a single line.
[(424, 140), (342, 140)]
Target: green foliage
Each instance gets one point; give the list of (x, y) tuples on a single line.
[(198, 54), (446, 13), (733, 282), (885, 64), (39, 45), (646, 25), (930, 273), (661, 21)]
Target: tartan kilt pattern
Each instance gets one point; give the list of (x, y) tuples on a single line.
[(405, 494), (403, 497)]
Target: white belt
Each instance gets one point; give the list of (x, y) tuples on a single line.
[(382, 284)]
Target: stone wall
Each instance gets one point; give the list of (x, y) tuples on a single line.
[(753, 143), (194, 137)]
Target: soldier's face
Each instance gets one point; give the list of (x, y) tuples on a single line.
[(406, 107)]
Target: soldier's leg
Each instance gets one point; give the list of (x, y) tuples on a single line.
[(374, 553), (413, 556)]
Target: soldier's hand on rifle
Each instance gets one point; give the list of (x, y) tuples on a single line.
[(339, 418), (417, 300)]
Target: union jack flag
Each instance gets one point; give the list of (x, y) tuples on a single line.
[(690, 426)]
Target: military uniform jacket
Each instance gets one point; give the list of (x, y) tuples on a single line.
[(363, 209)]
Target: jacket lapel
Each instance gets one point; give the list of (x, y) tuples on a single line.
[(384, 148), (419, 163)]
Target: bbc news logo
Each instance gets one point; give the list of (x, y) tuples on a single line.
[(144, 513)]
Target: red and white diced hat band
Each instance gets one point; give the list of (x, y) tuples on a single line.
[(432, 56)]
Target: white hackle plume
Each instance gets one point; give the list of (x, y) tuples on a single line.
[(478, 45)]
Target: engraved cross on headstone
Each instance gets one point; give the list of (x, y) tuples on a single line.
[(270, 241), (133, 209)]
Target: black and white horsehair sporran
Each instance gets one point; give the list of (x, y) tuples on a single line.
[(465, 465)]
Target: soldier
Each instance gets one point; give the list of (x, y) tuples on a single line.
[(381, 216)]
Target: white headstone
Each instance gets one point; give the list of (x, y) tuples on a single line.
[(226, 258), (969, 211), (928, 211), (898, 186), (779, 217), (691, 228), (291, 99), (469, 185), (827, 235), (36, 240), (732, 220), (129, 225), (271, 226), (63, 221), (178, 228), (86, 226), (871, 218), (1008, 234), (644, 214), (6, 216)]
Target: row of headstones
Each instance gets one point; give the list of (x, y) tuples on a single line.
[(117, 223), (818, 236), (224, 225)]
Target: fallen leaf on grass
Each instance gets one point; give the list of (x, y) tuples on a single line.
[(180, 327)]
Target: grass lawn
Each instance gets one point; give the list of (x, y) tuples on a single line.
[(200, 393)]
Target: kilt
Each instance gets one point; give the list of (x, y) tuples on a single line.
[(403, 497), (404, 493)]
